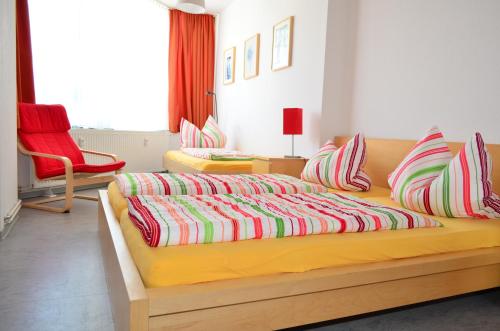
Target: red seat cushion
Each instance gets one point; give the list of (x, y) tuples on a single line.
[(45, 129), (87, 168)]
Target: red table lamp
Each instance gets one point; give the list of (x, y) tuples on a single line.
[(292, 123)]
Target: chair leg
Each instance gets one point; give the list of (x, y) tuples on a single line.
[(69, 193), (40, 204), (68, 199), (85, 197)]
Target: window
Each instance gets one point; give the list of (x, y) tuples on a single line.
[(105, 61)]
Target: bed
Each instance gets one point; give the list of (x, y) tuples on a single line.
[(178, 162), (291, 299)]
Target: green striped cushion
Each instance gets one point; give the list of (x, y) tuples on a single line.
[(209, 137), (431, 181), (340, 168), (422, 165)]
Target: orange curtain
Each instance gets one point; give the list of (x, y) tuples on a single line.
[(24, 64), (190, 68)]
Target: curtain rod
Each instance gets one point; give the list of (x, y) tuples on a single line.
[(163, 4)]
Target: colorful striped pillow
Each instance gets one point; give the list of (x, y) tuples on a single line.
[(340, 168), (328, 147), (431, 181), (213, 137), (210, 136), (422, 165)]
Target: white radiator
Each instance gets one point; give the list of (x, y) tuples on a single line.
[(143, 152)]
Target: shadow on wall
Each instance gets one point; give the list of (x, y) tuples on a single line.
[(174, 143), (340, 61), (314, 124)]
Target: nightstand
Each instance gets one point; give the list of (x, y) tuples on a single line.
[(278, 165)]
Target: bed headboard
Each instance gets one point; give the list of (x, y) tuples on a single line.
[(384, 155)]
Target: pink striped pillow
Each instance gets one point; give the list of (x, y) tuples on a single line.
[(209, 137), (190, 134), (212, 135), (422, 165), (340, 168), (431, 181)]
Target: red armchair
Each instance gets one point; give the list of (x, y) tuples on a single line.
[(44, 135)]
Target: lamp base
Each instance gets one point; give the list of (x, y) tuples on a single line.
[(293, 157)]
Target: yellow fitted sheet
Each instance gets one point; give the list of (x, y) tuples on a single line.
[(209, 165), (375, 191), (165, 266), (116, 199)]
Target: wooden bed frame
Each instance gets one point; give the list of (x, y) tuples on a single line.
[(292, 299), (174, 166)]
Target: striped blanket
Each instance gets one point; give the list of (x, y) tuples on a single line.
[(131, 184), (216, 154), (202, 219)]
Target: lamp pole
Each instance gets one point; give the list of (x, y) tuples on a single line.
[(213, 94)]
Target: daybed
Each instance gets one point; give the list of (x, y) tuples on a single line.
[(468, 260), (177, 161)]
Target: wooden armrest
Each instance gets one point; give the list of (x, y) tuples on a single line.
[(64, 159), (68, 165), (112, 156)]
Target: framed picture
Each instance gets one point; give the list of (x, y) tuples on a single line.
[(282, 44), (252, 50), (228, 66)]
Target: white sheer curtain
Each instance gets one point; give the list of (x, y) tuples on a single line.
[(106, 61)]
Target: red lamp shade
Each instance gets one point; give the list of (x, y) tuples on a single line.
[(292, 120)]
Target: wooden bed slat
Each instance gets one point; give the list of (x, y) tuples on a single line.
[(221, 293), (129, 299), (326, 305)]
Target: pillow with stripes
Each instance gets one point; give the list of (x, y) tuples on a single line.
[(210, 136), (422, 165), (432, 181), (340, 168)]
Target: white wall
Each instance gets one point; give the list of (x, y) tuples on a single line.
[(426, 62), (8, 136), (251, 110), (340, 56)]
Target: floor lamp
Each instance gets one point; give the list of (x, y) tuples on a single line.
[(213, 94)]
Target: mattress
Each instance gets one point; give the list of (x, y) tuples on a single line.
[(175, 265), (207, 166)]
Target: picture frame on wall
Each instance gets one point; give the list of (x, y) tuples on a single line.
[(252, 54), (282, 44), (228, 67)]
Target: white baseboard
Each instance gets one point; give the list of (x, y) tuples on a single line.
[(10, 219)]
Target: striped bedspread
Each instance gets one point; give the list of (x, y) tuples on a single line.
[(216, 154), (132, 184), (202, 219)]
